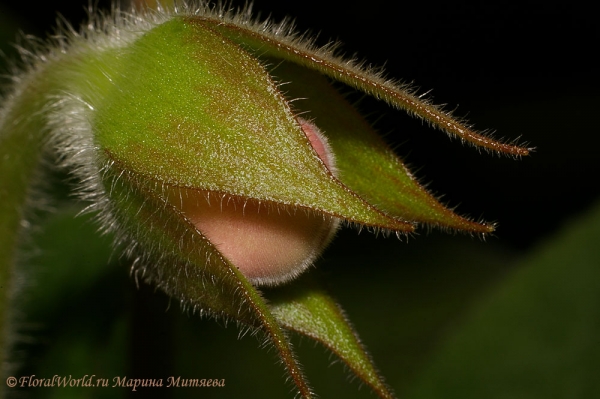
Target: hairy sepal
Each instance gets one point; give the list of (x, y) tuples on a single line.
[(306, 309), (281, 41), (363, 161), (129, 166), (133, 148), (171, 254), (187, 116)]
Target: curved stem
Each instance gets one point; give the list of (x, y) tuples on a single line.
[(22, 137)]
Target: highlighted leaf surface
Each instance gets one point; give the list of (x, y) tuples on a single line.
[(190, 117)]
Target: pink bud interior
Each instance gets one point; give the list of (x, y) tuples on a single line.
[(269, 243), (319, 143)]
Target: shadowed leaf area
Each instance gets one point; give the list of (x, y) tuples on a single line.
[(536, 334)]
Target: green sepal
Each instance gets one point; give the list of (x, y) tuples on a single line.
[(365, 163), (184, 115), (304, 308), (185, 106), (281, 42), (176, 257)]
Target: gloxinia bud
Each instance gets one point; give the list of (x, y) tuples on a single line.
[(194, 156), (187, 146), (217, 136), (269, 244)]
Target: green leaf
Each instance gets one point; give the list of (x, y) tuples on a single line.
[(71, 309), (536, 336), (307, 310)]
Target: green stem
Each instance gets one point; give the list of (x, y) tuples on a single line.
[(25, 130), (22, 137)]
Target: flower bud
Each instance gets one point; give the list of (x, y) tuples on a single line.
[(183, 141), (211, 133), (269, 243)]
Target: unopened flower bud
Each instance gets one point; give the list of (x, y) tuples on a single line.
[(269, 243)]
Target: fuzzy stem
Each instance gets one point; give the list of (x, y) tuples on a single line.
[(22, 137), (25, 136)]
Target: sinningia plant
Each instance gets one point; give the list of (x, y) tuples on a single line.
[(215, 149)]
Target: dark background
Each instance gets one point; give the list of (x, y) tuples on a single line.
[(523, 70)]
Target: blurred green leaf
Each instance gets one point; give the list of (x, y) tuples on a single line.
[(537, 335), (71, 318)]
